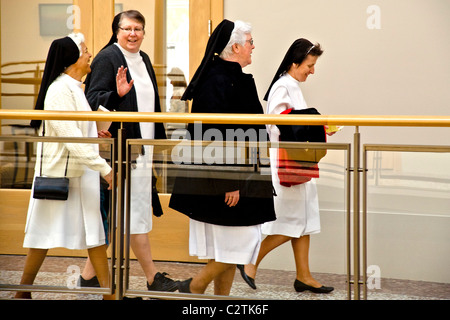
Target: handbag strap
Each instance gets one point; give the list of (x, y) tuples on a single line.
[(42, 152)]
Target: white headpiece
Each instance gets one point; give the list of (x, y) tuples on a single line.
[(78, 38)]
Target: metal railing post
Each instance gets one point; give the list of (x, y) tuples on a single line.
[(120, 216), (356, 231)]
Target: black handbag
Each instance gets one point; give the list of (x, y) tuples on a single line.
[(50, 188)]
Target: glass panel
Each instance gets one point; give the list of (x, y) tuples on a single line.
[(62, 267), (181, 166), (17, 159), (408, 196)]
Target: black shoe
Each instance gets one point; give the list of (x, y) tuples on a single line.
[(132, 298), (184, 286), (91, 283), (162, 283), (300, 287), (250, 281)]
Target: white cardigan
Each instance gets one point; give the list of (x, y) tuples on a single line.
[(66, 94)]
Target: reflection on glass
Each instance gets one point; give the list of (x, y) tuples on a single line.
[(410, 176), (408, 218), (170, 234)]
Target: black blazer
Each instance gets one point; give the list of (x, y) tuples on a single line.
[(101, 90)]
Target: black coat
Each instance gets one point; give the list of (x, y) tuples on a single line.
[(199, 191), (101, 90)]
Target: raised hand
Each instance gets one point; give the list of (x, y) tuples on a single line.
[(123, 87)]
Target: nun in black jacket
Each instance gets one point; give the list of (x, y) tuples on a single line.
[(118, 61), (225, 209)]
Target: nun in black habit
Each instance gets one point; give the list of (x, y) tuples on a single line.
[(123, 79), (225, 211)]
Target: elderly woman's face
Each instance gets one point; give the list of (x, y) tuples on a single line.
[(300, 72), (83, 62), (130, 35), (244, 53)]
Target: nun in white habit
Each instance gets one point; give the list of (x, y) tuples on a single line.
[(296, 206), (75, 223)]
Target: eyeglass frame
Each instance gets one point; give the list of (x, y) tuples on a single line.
[(130, 30)]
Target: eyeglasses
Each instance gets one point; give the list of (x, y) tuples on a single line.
[(250, 41), (130, 30)]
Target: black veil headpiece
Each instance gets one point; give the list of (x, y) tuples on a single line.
[(62, 53), (216, 43), (299, 49), (115, 30)]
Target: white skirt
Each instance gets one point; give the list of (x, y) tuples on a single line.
[(233, 245), (296, 207), (73, 224), (141, 194)]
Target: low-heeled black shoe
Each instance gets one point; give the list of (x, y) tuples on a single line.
[(300, 287), (184, 286), (91, 283), (250, 281), (162, 283)]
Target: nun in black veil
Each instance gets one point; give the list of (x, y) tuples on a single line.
[(123, 79), (75, 223), (225, 213), (296, 205)]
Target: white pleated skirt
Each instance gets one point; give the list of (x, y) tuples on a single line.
[(73, 224), (233, 245)]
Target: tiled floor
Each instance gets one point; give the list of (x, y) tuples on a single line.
[(272, 284)]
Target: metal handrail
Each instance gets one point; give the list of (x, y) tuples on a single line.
[(348, 120)]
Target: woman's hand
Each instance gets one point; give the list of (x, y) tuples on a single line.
[(331, 130), (232, 198), (123, 87), (104, 134), (108, 179)]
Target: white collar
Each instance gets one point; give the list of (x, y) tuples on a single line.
[(127, 53), (70, 81), (292, 78)]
